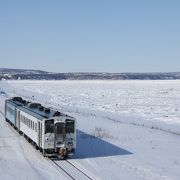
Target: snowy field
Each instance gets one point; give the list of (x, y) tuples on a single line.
[(126, 129)]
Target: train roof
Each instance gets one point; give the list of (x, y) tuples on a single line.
[(35, 109)]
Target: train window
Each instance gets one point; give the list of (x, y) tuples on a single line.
[(33, 125), (11, 111), (69, 126), (49, 126)]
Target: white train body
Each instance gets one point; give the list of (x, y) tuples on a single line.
[(50, 131)]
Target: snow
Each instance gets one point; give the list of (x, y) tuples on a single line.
[(126, 129)]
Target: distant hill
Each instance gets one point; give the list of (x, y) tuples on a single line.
[(6, 73), (21, 71)]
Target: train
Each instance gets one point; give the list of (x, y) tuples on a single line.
[(51, 132)]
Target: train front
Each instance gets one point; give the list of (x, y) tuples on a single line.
[(60, 136)]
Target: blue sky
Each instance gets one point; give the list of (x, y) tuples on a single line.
[(90, 35)]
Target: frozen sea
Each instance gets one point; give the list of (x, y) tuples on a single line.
[(157, 101)]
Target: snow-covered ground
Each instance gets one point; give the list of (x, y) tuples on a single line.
[(118, 126)]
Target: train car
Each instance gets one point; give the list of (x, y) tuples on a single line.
[(50, 131)]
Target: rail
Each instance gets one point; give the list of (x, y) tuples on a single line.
[(71, 170)]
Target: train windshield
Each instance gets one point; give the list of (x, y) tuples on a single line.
[(69, 126), (49, 126)]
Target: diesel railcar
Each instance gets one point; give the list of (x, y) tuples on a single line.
[(50, 131)]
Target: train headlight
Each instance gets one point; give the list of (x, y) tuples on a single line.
[(70, 143), (69, 146)]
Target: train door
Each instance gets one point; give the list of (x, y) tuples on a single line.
[(39, 134), (59, 134)]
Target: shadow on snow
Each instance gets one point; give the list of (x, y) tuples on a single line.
[(89, 146)]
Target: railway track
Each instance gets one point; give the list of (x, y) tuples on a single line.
[(72, 171)]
